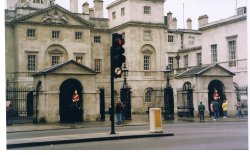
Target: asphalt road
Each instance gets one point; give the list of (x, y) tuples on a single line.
[(187, 136)]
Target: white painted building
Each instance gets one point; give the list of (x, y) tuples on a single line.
[(48, 41)]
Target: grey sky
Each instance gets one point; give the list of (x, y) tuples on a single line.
[(215, 9)]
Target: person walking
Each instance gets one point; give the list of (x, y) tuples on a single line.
[(201, 109), (216, 107), (239, 109), (224, 108), (118, 110)]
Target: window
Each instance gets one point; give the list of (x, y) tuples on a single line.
[(79, 59), (98, 65), (31, 62), (55, 34), (78, 35), (31, 33), (214, 53), (185, 60), (190, 40), (147, 10), (97, 39), (170, 38), (198, 58), (232, 53), (146, 63), (38, 1), (113, 15), (147, 35), (122, 11), (148, 95), (55, 60), (171, 63)]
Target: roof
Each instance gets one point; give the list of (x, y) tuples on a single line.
[(57, 66), (41, 11), (196, 71), (226, 21)]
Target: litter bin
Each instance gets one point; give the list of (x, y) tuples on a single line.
[(155, 120)]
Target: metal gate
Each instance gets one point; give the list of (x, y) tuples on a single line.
[(23, 105), (185, 101)]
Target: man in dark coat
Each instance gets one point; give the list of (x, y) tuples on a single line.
[(201, 109), (216, 107)]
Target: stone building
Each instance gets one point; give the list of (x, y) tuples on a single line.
[(60, 51)]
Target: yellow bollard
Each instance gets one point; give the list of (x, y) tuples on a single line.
[(155, 120)]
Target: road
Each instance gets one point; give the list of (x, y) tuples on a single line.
[(187, 136)]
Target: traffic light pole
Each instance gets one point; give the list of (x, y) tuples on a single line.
[(112, 95)]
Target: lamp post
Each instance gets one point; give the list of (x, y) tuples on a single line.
[(168, 96), (125, 95)]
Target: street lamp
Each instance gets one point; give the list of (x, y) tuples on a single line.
[(168, 97), (125, 93), (167, 73), (177, 57), (125, 75)]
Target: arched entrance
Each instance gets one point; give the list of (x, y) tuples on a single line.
[(69, 112), (219, 86)]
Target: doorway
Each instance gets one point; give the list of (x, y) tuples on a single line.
[(69, 111), (219, 86)]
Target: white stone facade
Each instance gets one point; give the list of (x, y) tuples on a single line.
[(147, 36)]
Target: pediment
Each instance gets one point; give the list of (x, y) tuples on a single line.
[(54, 15), (211, 70), (67, 68)]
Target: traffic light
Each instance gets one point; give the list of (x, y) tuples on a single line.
[(117, 57)]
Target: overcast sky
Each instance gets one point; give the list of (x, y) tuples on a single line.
[(215, 9)]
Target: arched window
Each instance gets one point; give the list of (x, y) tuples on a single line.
[(148, 96), (187, 86)]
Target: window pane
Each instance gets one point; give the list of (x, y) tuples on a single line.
[(78, 35), (31, 33), (31, 62), (171, 62), (98, 65), (146, 62), (55, 60), (79, 60), (147, 9), (148, 96), (214, 53)]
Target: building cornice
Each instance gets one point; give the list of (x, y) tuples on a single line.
[(190, 49), (223, 22), (140, 24)]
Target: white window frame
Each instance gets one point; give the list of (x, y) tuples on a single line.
[(185, 61), (147, 10), (97, 39), (31, 62), (147, 63), (55, 61), (98, 65), (171, 63), (78, 35), (214, 53), (55, 34), (232, 52), (198, 58), (170, 38)]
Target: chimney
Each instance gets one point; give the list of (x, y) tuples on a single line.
[(174, 23), (202, 20), (169, 16), (91, 12), (98, 8), (74, 6), (189, 23), (85, 8)]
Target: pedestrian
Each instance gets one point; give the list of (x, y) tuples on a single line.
[(211, 110), (224, 108), (216, 107), (239, 109), (201, 109), (9, 114), (118, 110)]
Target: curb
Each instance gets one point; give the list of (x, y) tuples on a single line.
[(104, 137)]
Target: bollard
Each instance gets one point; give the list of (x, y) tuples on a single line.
[(155, 120)]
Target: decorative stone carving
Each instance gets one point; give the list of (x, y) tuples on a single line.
[(55, 18)]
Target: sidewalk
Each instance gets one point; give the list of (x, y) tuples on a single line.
[(138, 119)]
